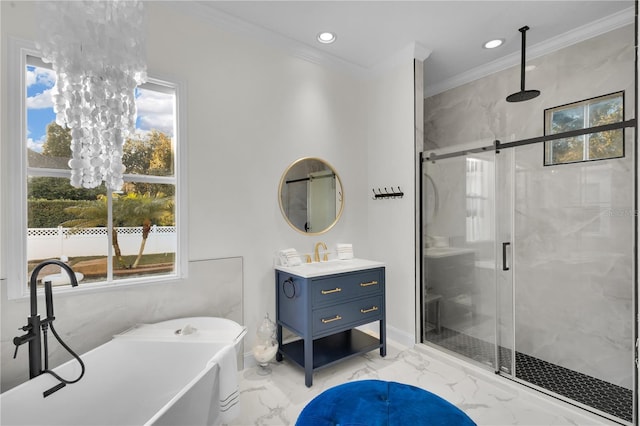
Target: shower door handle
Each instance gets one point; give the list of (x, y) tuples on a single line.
[(504, 256)]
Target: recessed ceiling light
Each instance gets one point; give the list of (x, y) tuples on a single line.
[(492, 44), (326, 37)]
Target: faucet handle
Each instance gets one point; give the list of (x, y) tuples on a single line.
[(19, 341)]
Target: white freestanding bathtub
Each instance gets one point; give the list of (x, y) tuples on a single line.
[(171, 373)]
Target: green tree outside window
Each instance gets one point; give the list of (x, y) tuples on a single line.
[(581, 115)]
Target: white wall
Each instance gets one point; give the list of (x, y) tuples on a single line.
[(251, 111), (391, 163)]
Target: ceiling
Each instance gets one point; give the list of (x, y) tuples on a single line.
[(369, 33)]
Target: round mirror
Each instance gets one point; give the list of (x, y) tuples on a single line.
[(311, 196)]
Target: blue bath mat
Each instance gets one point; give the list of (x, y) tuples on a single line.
[(380, 403)]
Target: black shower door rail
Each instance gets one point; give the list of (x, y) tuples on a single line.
[(497, 145)]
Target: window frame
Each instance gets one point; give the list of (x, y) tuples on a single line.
[(16, 171), (585, 103)]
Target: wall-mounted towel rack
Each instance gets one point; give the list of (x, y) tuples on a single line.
[(387, 194)]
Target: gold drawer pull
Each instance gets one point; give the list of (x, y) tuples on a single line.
[(371, 309), (335, 290), (328, 320), (374, 282)]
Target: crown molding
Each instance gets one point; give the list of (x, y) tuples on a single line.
[(421, 52), (406, 55), (234, 25), (582, 33)]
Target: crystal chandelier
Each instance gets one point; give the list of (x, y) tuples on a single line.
[(96, 50)]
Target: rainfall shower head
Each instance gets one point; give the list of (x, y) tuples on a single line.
[(523, 95)]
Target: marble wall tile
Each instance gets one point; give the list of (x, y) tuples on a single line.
[(213, 287), (572, 248), (574, 264), (477, 113)]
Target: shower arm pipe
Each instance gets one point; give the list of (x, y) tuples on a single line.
[(523, 31), (572, 133)]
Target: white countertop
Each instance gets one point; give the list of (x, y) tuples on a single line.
[(318, 269)]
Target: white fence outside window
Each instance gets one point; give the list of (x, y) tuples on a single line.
[(46, 243)]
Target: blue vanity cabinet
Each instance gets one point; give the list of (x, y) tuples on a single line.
[(324, 311)]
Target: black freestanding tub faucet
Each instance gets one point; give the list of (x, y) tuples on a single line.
[(37, 328)]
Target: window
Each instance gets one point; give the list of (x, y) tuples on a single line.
[(583, 115), (110, 237), (479, 199)]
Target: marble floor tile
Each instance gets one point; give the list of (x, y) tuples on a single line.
[(278, 398)]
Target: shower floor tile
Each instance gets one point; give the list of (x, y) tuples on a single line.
[(593, 392), (587, 390)]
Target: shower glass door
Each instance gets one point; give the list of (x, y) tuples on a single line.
[(528, 269), (569, 270), (505, 332), (459, 274)]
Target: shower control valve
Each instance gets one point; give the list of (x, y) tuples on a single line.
[(20, 340)]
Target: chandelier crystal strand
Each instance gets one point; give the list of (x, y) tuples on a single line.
[(96, 49)]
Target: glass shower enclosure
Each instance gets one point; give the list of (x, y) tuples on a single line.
[(528, 269), (529, 221)]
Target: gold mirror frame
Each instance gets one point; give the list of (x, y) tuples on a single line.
[(296, 172)]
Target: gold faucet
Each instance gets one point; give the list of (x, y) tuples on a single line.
[(316, 254)]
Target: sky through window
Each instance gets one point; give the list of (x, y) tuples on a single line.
[(155, 109)]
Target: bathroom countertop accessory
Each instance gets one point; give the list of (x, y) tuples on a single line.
[(289, 257), (345, 251), (316, 252)]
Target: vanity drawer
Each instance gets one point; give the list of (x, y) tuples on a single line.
[(338, 289), (347, 314)]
